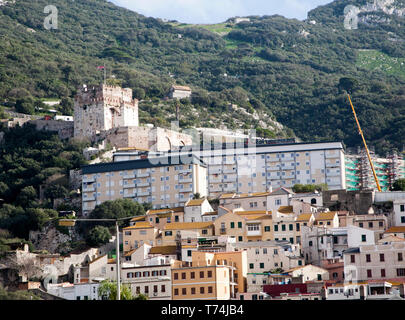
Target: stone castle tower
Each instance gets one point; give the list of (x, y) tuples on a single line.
[(102, 107)]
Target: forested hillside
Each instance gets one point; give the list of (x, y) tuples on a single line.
[(289, 70)]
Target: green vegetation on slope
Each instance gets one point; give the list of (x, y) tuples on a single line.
[(289, 68)]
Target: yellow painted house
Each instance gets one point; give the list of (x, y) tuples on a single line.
[(203, 229), (139, 233)]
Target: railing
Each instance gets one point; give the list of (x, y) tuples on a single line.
[(129, 185), (90, 179), (143, 175)]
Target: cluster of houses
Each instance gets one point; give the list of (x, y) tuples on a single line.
[(275, 245)]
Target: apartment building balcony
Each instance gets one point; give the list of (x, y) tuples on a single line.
[(143, 175), (143, 184), (233, 189), (142, 193), (216, 189), (186, 171), (91, 198), (215, 171), (216, 180), (334, 165), (333, 174), (227, 170), (273, 168), (188, 180), (233, 179), (289, 176), (89, 188), (186, 190), (332, 156), (89, 179), (130, 195), (129, 176), (128, 185), (288, 167)]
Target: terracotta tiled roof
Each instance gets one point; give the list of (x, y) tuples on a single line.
[(129, 253), (183, 88), (187, 225), (163, 250), (140, 218), (304, 217), (243, 195), (285, 209), (395, 229), (195, 202), (166, 210), (213, 213), (139, 225), (326, 216)]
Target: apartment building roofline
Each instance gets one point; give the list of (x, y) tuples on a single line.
[(140, 164)]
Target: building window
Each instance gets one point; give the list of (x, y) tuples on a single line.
[(283, 227), (251, 265), (403, 219), (189, 252), (369, 274), (168, 233), (382, 273), (202, 291), (264, 250), (401, 272), (205, 231), (209, 274), (192, 290), (400, 257), (183, 291), (368, 258), (210, 290), (267, 229), (363, 238), (382, 258), (261, 265), (276, 228), (370, 224), (146, 289), (201, 274), (240, 238), (361, 224), (183, 275), (176, 276), (240, 225), (176, 292), (352, 258), (163, 288), (192, 275), (232, 225), (402, 207), (310, 243), (291, 227)]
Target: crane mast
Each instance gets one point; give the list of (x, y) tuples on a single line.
[(365, 146)]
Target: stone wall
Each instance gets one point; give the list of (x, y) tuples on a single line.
[(63, 128)]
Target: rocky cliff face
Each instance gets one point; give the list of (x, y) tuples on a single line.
[(379, 11)]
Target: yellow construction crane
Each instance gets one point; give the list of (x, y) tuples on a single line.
[(365, 145)]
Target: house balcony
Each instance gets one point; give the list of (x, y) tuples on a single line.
[(254, 233)]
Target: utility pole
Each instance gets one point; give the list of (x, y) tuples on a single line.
[(118, 261), (72, 222)]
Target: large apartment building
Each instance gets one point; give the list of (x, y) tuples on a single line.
[(167, 182), (255, 168)]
